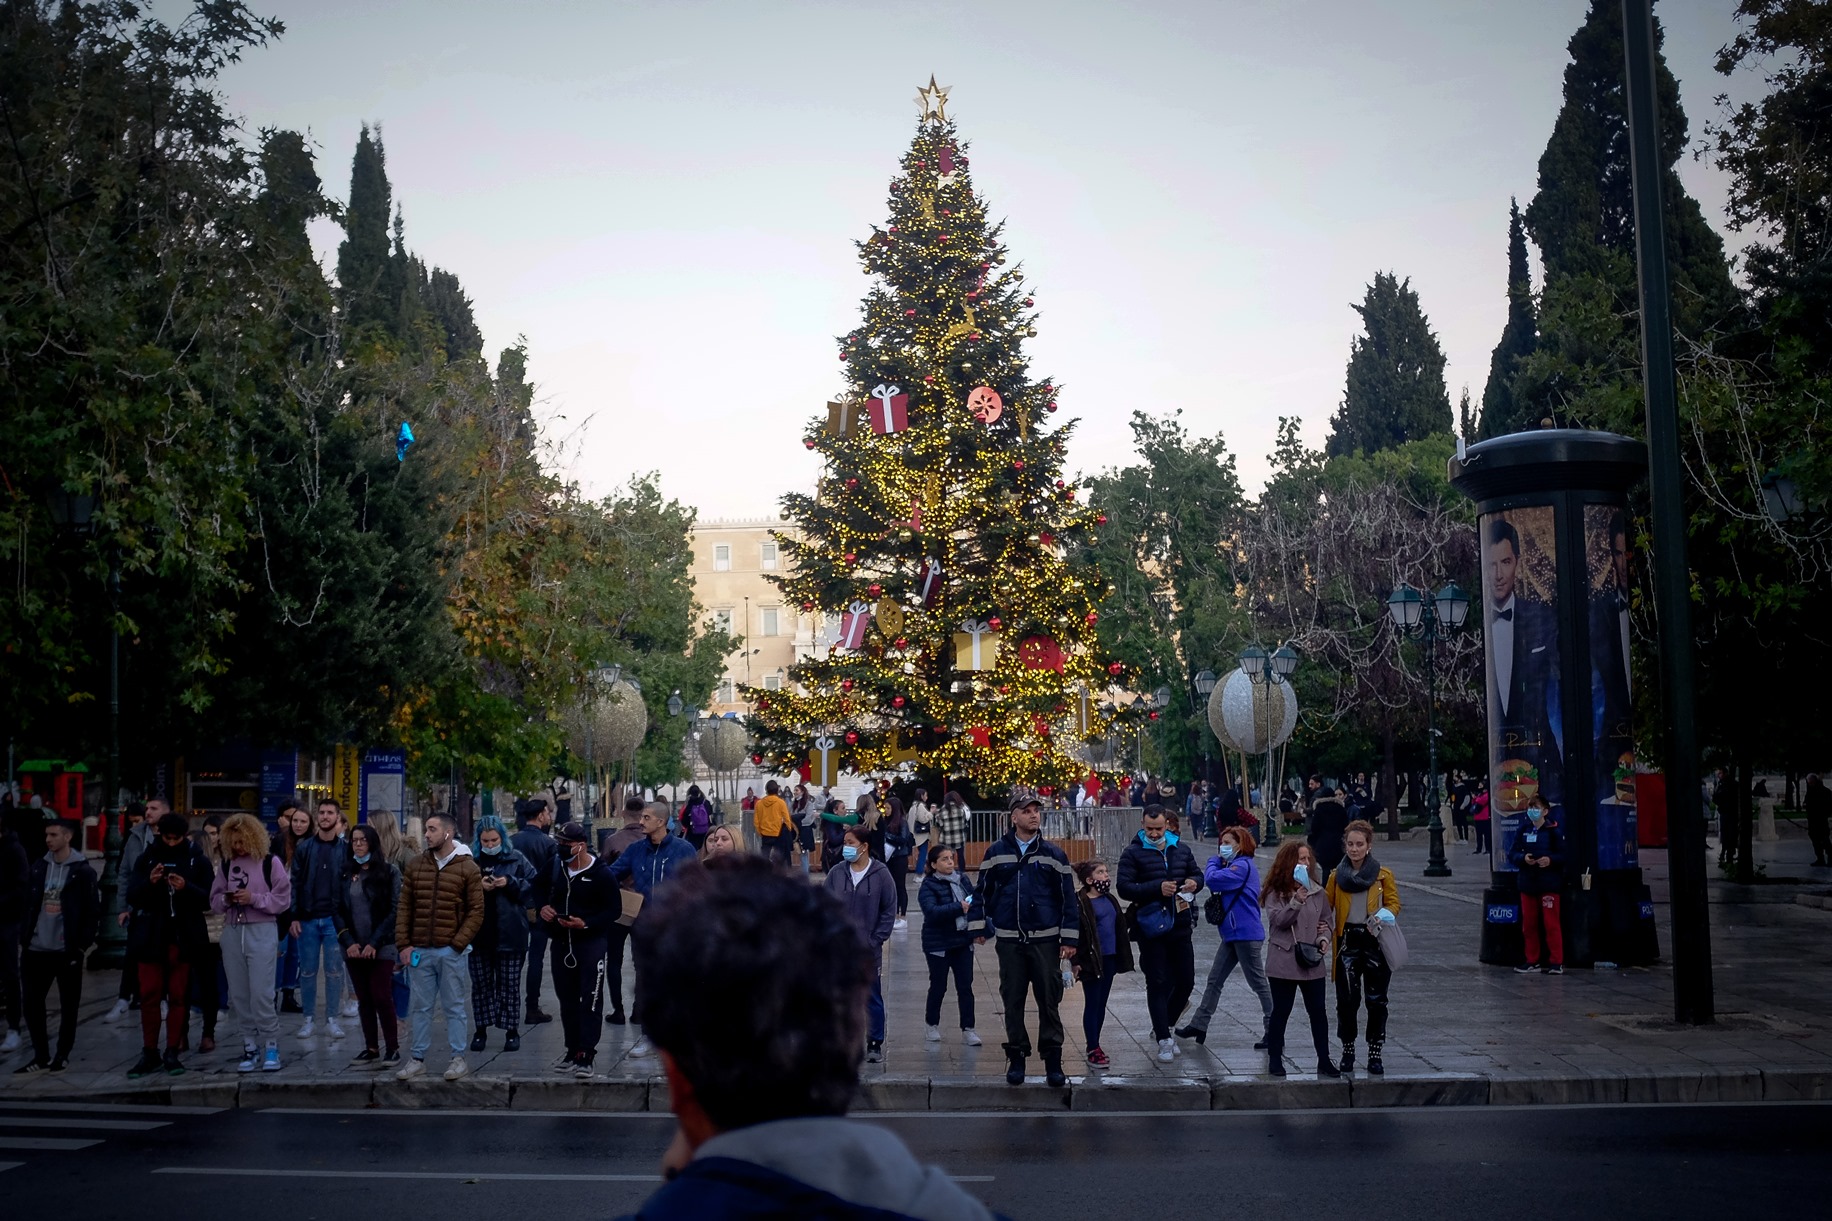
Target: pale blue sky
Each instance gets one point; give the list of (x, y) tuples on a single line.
[(663, 196)]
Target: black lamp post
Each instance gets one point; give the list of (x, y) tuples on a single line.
[(1440, 617), (1205, 687)]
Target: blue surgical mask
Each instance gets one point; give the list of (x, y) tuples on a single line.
[(1538, 816), (496, 851), (1301, 875), (362, 859), (850, 852), (1227, 852)]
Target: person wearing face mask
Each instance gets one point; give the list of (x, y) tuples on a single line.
[(169, 891), (1538, 852), (1296, 910), (1360, 890), (864, 887), (364, 918), (1158, 871), (1102, 953), (951, 926), (501, 948), (1234, 879), (583, 906)]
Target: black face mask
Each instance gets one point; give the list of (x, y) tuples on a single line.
[(1101, 888)]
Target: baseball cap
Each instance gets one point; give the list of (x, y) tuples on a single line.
[(1023, 802), (571, 832)]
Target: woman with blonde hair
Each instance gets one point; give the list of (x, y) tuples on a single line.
[(1361, 891), (397, 847), (717, 842), (250, 890)]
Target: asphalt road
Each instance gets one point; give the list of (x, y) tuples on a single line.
[(75, 1161)]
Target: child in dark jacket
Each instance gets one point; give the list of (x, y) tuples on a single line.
[(1538, 852), (951, 926)]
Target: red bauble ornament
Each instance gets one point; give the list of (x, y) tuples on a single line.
[(852, 739), (1069, 495), (809, 443), (942, 238), (1093, 617), (896, 701), (763, 705), (900, 643), (1125, 782), (1017, 464), (846, 684), (928, 377), (1116, 669), (807, 606), (758, 759), (893, 229), (1049, 406), (850, 557), (874, 590), (1061, 484), (994, 623), (945, 212), (1151, 716), (1100, 519), (1004, 690), (852, 485)]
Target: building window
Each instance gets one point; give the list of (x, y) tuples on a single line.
[(766, 556), (769, 621), (722, 619), (772, 682), (721, 557), (725, 691)]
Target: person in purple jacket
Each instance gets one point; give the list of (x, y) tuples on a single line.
[(864, 887), (250, 891), (1231, 876)]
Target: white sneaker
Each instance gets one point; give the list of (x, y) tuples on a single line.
[(251, 1059), (642, 1048), (410, 1070), (934, 1035), (333, 1029), (306, 1031), (970, 1037), (117, 1013), (1176, 1047), (349, 1008), (11, 1042), (899, 924), (1167, 1051), (456, 1069)]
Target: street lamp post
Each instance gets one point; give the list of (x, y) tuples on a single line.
[(1441, 616), (1272, 669), (1205, 687)]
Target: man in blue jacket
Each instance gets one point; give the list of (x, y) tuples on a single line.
[(1159, 874), (648, 866), (535, 842), (1028, 890)]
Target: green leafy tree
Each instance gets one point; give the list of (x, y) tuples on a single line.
[(1395, 389), (944, 317), (1518, 338)]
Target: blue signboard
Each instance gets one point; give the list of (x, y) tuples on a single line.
[(1503, 913), (279, 781), (384, 783)]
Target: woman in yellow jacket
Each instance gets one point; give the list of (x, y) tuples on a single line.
[(1361, 890)]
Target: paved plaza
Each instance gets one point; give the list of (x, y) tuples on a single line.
[(1460, 1032)]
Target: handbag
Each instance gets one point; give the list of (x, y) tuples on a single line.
[(1391, 937), (1309, 954), (1152, 920)]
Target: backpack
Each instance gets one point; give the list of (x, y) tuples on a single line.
[(699, 818)]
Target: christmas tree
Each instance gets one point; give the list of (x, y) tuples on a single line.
[(941, 540)]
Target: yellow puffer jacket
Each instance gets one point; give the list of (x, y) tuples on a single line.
[(1339, 901)]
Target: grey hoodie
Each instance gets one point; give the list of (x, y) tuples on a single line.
[(857, 1162)]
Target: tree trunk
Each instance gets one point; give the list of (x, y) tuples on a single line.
[(1389, 780)]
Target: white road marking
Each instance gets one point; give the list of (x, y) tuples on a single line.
[(6, 1166)]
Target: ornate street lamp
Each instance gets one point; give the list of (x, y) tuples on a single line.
[(1440, 617), (1272, 670)]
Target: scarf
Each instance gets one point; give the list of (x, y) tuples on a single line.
[(958, 885), (1353, 880)]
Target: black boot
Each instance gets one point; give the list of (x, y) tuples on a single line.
[(289, 1001), (481, 1039), (615, 1018), (1347, 1063), (512, 1040), (1192, 1032), (1014, 1068), (1275, 1061), (1325, 1070), (534, 1016), (149, 1062), (1052, 1070), (1374, 1065)]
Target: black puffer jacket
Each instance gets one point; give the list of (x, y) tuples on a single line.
[(1144, 870), (505, 916), (164, 916), (382, 886)]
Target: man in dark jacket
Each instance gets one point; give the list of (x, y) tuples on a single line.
[(1159, 874), (762, 1128), (1028, 891), (319, 864), (1538, 852), (62, 914), (535, 843), (169, 892), (582, 907), (647, 866), (1817, 800), (1329, 822)]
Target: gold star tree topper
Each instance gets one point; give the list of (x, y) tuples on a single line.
[(934, 100)]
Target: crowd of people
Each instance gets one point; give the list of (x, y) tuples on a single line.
[(397, 932)]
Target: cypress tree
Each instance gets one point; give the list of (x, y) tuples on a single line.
[(1583, 217), (1395, 387), (1518, 338), (451, 309), (363, 264)]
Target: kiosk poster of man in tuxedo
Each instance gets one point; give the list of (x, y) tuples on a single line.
[(1606, 539), (1523, 653)]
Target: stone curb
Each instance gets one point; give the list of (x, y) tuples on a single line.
[(1092, 1095)]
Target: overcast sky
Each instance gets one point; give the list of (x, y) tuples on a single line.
[(663, 196)]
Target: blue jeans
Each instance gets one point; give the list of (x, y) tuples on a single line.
[(286, 962), (874, 1003), (318, 940), (443, 977), (922, 862)]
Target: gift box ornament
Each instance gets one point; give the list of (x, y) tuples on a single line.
[(847, 417), (853, 622), (929, 584), (824, 761), (888, 410), (976, 646)]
